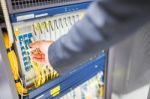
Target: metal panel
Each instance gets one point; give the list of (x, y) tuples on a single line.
[(7, 85), (25, 16), (129, 63), (16, 6), (71, 80)]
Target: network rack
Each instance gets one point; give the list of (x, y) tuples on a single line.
[(126, 70), (23, 20), (37, 28)]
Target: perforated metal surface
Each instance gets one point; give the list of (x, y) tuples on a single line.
[(20, 4), (26, 5)]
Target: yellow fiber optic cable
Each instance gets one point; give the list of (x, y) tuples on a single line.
[(46, 73), (43, 80), (14, 66), (37, 77), (42, 73), (101, 91), (50, 72)]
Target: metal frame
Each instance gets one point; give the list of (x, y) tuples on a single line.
[(7, 84), (12, 11), (128, 64), (108, 76), (48, 12)]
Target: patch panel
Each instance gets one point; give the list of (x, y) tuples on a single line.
[(91, 89), (48, 28), (25, 40), (72, 80)]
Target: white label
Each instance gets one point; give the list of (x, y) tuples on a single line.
[(40, 97), (25, 17), (41, 15)]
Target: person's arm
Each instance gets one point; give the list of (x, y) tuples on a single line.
[(106, 23)]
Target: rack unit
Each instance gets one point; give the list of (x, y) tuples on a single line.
[(41, 27), (29, 11), (17, 6)]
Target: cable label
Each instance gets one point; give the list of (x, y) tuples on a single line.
[(55, 91)]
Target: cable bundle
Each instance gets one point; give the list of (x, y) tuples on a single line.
[(14, 66), (42, 73)]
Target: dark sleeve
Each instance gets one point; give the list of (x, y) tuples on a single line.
[(105, 24)]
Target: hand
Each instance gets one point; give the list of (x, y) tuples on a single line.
[(39, 51)]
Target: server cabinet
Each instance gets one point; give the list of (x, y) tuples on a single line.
[(27, 18)]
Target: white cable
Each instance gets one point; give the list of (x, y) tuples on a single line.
[(7, 20)]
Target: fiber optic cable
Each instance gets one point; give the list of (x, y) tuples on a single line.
[(14, 66)]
